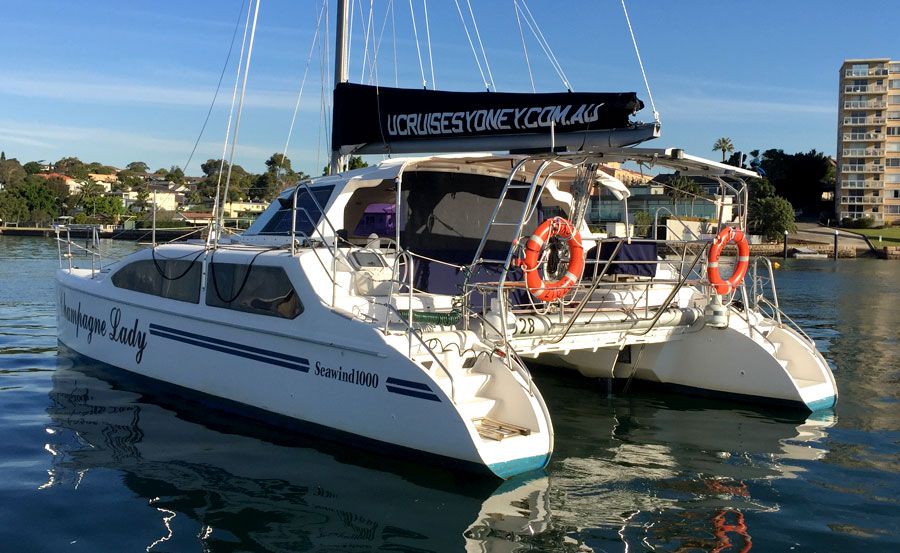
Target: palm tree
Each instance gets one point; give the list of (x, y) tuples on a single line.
[(725, 145)]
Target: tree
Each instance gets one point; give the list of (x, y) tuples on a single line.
[(11, 172), (33, 167), (73, 167), (240, 184), (175, 174), (724, 145), (760, 189), (88, 195), (356, 162), (137, 167), (682, 188), (40, 200), (13, 208), (772, 217), (800, 178), (143, 195), (104, 207), (59, 189), (642, 223)]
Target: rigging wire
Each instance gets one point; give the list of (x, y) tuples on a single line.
[(394, 43), (237, 76), (237, 122), (524, 46), (303, 81), (362, 74), (428, 36), (374, 65), (237, 25), (481, 45), (640, 63), (545, 46), (412, 14), (487, 85)]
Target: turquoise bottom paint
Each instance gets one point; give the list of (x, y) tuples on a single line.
[(507, 469), (824, 403)]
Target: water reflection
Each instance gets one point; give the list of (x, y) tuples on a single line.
[(215, 484), (669, 473), (640, 471)]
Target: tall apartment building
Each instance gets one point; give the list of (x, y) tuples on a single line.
[(868, 172)]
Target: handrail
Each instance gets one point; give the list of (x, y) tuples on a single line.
[(96, 254), (410, 331), (671, 296), (510, 353), (656, 222), (758, 294), (587, 296)]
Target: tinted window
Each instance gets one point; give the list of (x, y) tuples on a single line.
[(172, 279), (308, 215), (253, 289)]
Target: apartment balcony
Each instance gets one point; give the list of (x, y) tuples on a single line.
[(872, 72), (864, 104), (858, 183), (862, 200), (876, 136), (863, 152), (862, 168), (864, 120), (849, 215), (864, 89)]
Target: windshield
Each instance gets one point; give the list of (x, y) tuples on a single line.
[(276, 220)]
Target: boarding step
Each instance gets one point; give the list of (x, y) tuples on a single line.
[(804, 383), (492, 429), (476, 407), (466, 383)]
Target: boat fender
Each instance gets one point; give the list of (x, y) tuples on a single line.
[(726, 235), (551, 291)]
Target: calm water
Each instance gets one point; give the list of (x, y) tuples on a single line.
[(90, 463)]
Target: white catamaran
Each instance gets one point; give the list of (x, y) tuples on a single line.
[(394, 304)]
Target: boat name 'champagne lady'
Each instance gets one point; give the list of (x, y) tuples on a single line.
[(113, 327)]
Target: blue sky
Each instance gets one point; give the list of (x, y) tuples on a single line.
[(116, 81)]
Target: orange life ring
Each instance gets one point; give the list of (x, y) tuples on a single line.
[(544, 291), (726, 235)]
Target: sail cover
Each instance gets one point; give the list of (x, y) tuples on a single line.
[(366, 114)]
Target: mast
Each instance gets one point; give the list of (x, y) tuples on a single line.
[(340, 68)]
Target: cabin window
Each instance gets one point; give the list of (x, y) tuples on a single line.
[(308, 215), (252, 289), (168, 278)]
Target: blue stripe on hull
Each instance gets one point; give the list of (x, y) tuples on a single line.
[(231, 351), (412, 393), (228, 344)]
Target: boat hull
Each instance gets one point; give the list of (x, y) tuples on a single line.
[(378, 397), (769, 364)]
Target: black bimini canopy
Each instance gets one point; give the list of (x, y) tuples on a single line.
[(369, 119)]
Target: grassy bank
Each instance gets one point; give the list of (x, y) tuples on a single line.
[(890, 236)]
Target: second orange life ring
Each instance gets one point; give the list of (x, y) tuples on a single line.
[(544, 291), (726, 235)]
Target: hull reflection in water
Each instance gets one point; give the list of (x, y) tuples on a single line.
[(668, 473), (634, 471), (215, 484)]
